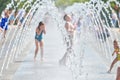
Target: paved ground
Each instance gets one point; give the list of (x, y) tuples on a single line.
[(10, 44), (93, 66), (49, 69)]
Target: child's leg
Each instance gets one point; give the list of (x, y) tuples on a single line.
[(114, 61), (5, 31), (42, 51), (36, 50), (118, 74)]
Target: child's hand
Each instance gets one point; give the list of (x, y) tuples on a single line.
[(113, 54)]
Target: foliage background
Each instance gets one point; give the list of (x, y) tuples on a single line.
[(4, 3), (59, 3)]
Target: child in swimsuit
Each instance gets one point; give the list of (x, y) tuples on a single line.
[(40, 30), (117, 51), (4, 23)]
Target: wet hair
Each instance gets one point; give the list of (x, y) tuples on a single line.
[(6, 14), (115, 44), (64, 16), (10, 9), (115, 41), (40, 24)]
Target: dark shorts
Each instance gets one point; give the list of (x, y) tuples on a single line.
[(22, 20), (5, 27)]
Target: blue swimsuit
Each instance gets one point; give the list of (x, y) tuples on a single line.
[(39, 37), (3, 23)]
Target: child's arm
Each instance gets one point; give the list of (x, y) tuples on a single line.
[(67, 26), (44, 30), (113, 53), (37, 31)]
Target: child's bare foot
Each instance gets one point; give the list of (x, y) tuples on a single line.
[(34, 59), (109, 71), (41, 59)]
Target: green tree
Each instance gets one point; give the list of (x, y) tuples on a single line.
[(4, 3), (65, 3)]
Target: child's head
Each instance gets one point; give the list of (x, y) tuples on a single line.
[(41, 24), (115, 41), (6, 13), (67, 17)]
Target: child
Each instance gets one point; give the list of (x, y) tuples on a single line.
[(117, 51), (39, 39), (4, 23)]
